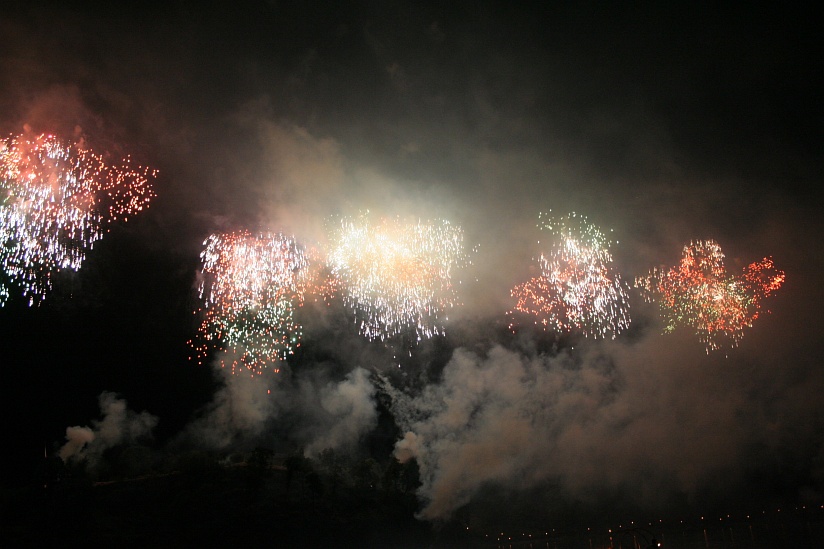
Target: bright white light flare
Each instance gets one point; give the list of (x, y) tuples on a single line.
[(577, 289), (56, 200), (396, 276), (250, 289)]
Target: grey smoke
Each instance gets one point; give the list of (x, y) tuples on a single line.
[(118, 425), (317, 412), (346, 412), (239, 410), (604, 417)]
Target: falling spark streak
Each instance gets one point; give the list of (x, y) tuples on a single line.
[(700, 294), (397, 277), (250, 289), (577, 289), (56, 200)]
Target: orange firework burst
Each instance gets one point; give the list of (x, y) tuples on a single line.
[(700, 294)]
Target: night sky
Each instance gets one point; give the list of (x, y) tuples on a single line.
[(665, 124)]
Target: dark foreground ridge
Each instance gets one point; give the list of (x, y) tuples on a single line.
[(257, 501), (260, 499)]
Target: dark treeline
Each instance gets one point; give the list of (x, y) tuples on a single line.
[(201, 499)]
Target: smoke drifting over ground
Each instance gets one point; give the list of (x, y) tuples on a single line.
[(118, 426), (239, 411), (317, 412), (663, 125), (591, 421)]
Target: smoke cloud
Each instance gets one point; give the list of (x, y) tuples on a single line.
[(345, 412), (311, 410), (239, 411), (118, 425), (604, 419)]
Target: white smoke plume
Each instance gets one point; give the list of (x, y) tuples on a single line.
[(585, 421), (316, 412), (118, 425), (238, 411), (345, 413)]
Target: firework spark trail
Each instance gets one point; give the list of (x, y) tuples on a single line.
[(396, 276), (56, 200), (320, 283), (577, 289), (700, 294), (250, 288)]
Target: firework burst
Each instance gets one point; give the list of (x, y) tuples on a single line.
[(700, 294), (397, 277), (577, 289), (250, 288), (56, 200)]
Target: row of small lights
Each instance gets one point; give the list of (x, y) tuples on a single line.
[(504, 537)]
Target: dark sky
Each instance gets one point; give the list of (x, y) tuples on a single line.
[(666, 124)]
